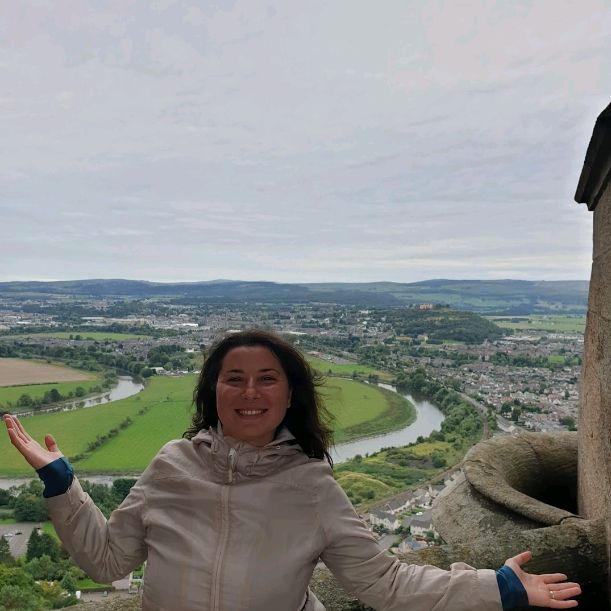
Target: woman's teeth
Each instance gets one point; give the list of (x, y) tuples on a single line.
[(250, 412)]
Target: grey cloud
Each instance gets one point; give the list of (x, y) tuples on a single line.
[(229, 140)]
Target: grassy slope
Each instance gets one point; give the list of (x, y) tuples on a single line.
[(359, 412), (378, 477), (346, 370)]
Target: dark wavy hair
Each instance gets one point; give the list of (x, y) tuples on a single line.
[(308, 419)]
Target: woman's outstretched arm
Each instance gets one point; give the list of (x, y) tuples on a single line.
[(355, 558), (105, 550)]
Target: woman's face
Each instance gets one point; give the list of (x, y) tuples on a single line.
[(252, 394)]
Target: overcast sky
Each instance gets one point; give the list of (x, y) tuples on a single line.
[(298, 141)]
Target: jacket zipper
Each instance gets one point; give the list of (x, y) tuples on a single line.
[(233, 457), (224, 536)]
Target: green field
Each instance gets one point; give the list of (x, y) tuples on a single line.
[(162, 412), (540, 322), (98, 336), (346, 370), (36, 391), (75, 430), (362, 409)]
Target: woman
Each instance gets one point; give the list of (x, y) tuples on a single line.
[(236, 515)]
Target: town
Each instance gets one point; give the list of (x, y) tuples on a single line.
[(529, 377)]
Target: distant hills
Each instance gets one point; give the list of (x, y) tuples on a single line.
[(502, 297)]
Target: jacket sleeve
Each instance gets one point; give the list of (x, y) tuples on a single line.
[(384, 583), (105, 550)]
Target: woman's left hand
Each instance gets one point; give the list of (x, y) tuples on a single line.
[(550, 590)]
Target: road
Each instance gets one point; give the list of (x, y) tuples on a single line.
[(482, 409), (18, 543)]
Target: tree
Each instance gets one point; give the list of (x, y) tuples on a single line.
[(25, 401), (30, 508), (121, 488), (42, 568), (40, 544), (52, 396), (438, 460), (5, 552), (14, 598), (516, 412), (18, 590), (569, 422), (68, 583)]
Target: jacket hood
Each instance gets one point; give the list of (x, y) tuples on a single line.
[(234, 460)]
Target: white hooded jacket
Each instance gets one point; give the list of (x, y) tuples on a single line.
[(225, 526)]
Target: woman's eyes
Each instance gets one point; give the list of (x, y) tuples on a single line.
[(238, 380)]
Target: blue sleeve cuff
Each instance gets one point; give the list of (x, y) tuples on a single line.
[(57, 477), (512, 591)]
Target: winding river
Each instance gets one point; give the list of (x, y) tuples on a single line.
[(126, 387), (428, 419)]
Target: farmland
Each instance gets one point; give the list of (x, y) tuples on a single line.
[(11, 394), (20, 377), (345, 369), (98, 336), (534, 322), (15, 372), (123, 436)]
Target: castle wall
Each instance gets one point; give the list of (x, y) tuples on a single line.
[(594, 469)]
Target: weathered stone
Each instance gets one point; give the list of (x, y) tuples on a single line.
[(517, 494), (533, 475), (595, 409), (461, 510), (133, 603), (602, 224)]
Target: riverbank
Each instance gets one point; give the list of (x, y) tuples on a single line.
[(121, 437)]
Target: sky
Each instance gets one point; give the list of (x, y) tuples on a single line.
[(298, 141)]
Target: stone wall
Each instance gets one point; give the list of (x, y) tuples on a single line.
[(595, 410)]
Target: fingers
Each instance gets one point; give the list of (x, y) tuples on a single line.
[(559, 595), (553, 578), (51, 443), (13, 425), (565, 590), (21, 430), (522, 558), (16, 434)]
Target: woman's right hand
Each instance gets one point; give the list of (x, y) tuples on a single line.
[(31, 450)]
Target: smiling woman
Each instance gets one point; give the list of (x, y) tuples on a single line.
[(235, 516)]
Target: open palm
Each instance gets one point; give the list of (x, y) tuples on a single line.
[(549, 590), (32, 451)]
